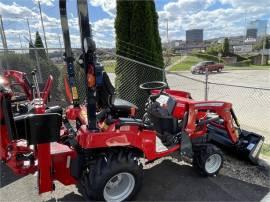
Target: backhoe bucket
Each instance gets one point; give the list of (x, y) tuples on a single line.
[(247, 147)]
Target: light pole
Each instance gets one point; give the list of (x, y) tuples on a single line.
[(3, 35), (44, 34), (4, 40), (263, 48), (168, 41), (60, 44), (28, 25), (20, 40), (29, 30)]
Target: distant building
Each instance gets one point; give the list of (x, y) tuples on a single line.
[(251, 33), (260, 25), (180, 46), (194, 36), (177, 44), (241, 49), (236, 40)]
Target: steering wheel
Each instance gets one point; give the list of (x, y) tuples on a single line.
[(153, 85)]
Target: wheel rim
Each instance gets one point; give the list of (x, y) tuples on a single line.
[(119, 187), (213, 163)]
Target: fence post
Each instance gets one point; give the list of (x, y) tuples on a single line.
[(163, 75), (206, 85)]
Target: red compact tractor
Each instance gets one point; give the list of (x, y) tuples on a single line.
[(103, 156)]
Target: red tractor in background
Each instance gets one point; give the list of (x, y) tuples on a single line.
[(103, 156)]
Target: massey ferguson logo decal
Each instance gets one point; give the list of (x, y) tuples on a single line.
[(213, 104)]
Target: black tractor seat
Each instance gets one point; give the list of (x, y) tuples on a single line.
[(106, 98), (121, 106)]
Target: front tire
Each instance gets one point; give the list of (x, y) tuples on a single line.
[(208, 159), (115, 176)]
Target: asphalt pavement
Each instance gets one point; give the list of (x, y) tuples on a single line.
[(166, 181)]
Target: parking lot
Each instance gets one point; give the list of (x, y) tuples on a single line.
[(253, 78)]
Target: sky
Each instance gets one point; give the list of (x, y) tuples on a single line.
[(218, 18)]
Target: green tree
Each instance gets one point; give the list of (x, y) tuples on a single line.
[(214, 49), (137, 37), (226, 47), (259, 44), (31, 51), (39, 44)]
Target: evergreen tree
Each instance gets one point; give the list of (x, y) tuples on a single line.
[(122, 22), (31, 51), (226, 47), (39, 44), (137, 37)]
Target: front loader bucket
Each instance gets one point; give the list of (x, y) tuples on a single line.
[(251, 144), (248, 146)]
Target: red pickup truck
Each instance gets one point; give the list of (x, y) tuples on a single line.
[(210, 65)]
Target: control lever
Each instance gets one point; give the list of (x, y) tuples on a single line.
[(34, 77)]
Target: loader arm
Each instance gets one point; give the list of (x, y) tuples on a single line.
[(225, 112)]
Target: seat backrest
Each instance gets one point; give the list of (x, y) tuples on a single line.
[(42, 128), (105, 92), (35, 128)]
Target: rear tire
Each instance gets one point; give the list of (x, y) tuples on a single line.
[(208, 159), (219, 70), (115, 176)]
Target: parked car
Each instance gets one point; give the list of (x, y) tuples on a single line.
[(210, 65)]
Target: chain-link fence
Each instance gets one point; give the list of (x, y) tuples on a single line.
[(252, 105), (130, 73)]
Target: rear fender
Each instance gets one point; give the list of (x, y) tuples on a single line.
[(127, 136)]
